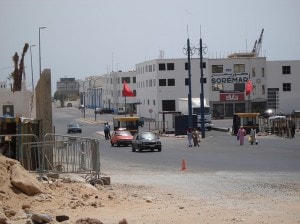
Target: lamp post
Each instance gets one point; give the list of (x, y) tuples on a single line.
[(83, 87), (31, 67), (94, 87), (40, 28)]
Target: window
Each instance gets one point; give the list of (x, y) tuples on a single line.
[(186, 66), (146, 83), (217, 68), (154, 67), (286, 87), (154, 82), (253, 72), (263, 90), (150, 82), (126, 79), (153, 102), (134, 79), (161, 67), (238, 68), (170, 66), (171, 82), (239, 87), (262, 72), (203, 64), (286, 70), (134, 92), (162, 82), (218, 87), (186, 81)]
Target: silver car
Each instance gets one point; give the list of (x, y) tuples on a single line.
[(146, 141)]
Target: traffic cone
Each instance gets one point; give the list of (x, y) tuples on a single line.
[(183, 165)]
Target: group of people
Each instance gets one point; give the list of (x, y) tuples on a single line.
[(193, 136), (242, 133)]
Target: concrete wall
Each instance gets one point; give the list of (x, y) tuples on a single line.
[(22, 102), (44, 102)]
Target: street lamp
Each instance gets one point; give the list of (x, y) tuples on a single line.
[(83, 87), (31, 68), (94, 80), (40, 28)]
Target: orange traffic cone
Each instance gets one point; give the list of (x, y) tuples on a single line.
[(183, 165)]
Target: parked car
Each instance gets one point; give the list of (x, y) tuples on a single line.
[(74, 128), (146, 140), (104, 111), (81, 107), (121, 137)]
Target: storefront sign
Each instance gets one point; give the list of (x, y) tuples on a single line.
[(230, 78), (232, 97)]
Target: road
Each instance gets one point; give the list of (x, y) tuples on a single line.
[(219, 151), (223, 182)]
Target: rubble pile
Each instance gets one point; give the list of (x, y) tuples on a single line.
[(24, 199)]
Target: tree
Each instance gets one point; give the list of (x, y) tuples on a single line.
[(19, 71), (61, 97)]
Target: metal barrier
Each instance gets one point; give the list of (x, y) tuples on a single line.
[(62, 154)]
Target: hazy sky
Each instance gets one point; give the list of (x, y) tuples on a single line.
[(92, 37)]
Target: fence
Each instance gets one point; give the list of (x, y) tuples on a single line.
[(159, 127), (61, 154)]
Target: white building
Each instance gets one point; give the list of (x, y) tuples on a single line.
[(112, 91), (159, 83), (227, 79), (283, 86)]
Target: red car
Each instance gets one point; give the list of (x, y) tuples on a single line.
[(121, 137)]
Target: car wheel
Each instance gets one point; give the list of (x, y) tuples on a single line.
[(133, 148), (159, 149), (112, 144), (140, 148), (118, 144)]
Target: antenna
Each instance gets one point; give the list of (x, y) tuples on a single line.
[(187, 30)]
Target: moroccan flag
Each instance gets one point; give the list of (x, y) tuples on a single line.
[(126, 90), (249, 87)]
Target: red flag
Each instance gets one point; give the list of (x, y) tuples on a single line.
[(126, 90), (249, 87)]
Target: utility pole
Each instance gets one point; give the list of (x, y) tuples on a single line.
[(190, 83), (202, 92)]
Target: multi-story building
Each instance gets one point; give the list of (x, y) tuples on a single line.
[(112, 91), (227, 79), (159, 83), (283, 86)]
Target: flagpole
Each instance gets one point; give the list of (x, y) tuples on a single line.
[(125, 107)]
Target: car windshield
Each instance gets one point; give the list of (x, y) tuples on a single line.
[(123, 133), (74, 125), (148, 136)]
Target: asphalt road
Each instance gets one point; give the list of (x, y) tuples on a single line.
[(218, 152), (260, 181)]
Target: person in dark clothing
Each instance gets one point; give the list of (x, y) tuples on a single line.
[(107, 131)]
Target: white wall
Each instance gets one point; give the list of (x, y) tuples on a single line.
[(288, 100), (22, 100)]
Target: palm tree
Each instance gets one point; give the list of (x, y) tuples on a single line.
[(19, 71)]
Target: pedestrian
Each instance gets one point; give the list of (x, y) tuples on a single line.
[(253, 136), (241, 135), (189, 134), (196, 137), (293, 130), (106, 131)]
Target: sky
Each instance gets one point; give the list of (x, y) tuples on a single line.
[(94, 37)]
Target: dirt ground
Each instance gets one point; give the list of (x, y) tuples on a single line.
[(184, 198)]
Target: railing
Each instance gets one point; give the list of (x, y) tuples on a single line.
[(61, 154)]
